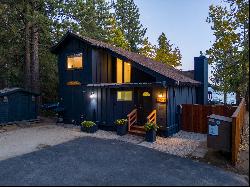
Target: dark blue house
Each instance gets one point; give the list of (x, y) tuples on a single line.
[(17, 104), (102, 83)]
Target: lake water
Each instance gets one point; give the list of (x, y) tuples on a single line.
[(219, 96)]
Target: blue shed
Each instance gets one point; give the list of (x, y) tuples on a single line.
[(17, 104)]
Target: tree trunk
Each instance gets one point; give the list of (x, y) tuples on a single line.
[(27, 81), (238, 98), (35, 60), (225, 98)]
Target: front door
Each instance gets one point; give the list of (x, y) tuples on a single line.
[(144, 105)]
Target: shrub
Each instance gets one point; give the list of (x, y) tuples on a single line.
[(121, 122), (88, 124), (150, 126)]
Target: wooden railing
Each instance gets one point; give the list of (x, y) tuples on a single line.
[(132, 118), (152, 117), (238, 121)]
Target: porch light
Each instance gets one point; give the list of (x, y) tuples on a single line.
[(160, 95), (92, 95)]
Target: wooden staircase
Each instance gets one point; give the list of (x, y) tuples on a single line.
[(137, 130), (134, 128)]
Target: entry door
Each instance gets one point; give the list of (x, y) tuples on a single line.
[(144, 105)]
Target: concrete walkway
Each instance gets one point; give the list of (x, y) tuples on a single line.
[(92, 161)]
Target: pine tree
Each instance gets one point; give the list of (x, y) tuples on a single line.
[(148, 49), (128, 18), (115, 35), (165, 52)]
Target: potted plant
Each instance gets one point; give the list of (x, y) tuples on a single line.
[(150, 129), (122, 126), (89, 127)]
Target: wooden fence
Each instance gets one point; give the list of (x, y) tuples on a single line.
[(238, 121), (195, 117)]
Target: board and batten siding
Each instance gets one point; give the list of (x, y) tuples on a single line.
[(177, 96), (102, 67), (72, 98)]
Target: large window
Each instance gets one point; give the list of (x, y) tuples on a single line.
[(75, 61), (123, 71), (119, 71), (127, 72), (124, 96)]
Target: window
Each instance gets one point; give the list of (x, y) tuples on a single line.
[(119, 71), (75, 61), (146, 94), (127, 72), (124, 95), (123, 71)]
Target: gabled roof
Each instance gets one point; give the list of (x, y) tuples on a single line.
[(8, 91), (162, 69)]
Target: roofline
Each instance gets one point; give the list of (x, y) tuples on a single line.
[(53, 49)]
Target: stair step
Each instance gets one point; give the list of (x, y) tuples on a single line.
[(136, 132), (138, 128)]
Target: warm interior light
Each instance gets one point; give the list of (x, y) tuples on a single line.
[(160, 95)]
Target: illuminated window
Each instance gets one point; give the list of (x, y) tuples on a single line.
[(124, 95), (75, 61), (146, 94), (119, 71), (123, 71), (127, 72)]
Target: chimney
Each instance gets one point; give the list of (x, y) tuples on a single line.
[(201, 75)]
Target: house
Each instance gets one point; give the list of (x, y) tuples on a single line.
[(102, 83), (17, 104)]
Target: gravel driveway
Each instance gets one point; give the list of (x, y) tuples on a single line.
[(19, 141), (93, 161)]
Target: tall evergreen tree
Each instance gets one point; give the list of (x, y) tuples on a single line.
[(128, 18), (165, 52), (148, 49), (116, 36)]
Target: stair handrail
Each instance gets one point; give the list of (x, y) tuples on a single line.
[(132, 118), (152, 117)]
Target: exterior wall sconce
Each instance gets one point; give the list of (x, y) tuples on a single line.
[(160, 95), (161, 98), (92, 95)]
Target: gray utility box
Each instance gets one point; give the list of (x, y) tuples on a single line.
[(219, 133)]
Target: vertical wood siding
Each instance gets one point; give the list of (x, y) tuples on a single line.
[(177, 96), (195, 117), (238, 122)]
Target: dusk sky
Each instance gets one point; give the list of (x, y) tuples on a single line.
[(183, 22)]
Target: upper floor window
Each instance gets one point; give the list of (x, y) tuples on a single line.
[(75, 61), (123, 71)]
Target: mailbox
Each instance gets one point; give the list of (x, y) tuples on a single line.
[(219, 135)]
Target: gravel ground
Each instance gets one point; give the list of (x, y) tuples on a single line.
[(25, 140), (181, 144)]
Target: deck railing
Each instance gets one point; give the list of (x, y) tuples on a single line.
[(152, 117), (132, 118)]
